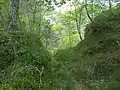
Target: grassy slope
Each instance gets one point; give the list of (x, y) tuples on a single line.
[(96, 60)]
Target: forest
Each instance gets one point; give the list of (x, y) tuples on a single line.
[(59, 45)]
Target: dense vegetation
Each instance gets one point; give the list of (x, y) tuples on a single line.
[(76, 49)]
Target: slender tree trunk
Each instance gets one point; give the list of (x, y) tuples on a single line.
[(78, 24), (28, 16), (92, 8), (87, 11), (3, 19), (40, 18), (34, 18), (110, 4), (70, 42), (14, 13)]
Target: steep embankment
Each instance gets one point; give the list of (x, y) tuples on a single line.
[(96, 60)]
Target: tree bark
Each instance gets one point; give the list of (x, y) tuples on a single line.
[(14, 13), (3, 19)]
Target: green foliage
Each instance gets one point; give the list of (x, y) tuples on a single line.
[(57, 26), (24, 61), (4, 51), (97, 56)]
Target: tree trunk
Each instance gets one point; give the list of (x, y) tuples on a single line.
[(78, 22), (110, 4), (14, 13), (87, 11), (3, 19)]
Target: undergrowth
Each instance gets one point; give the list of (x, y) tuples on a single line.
[(93, 64)]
